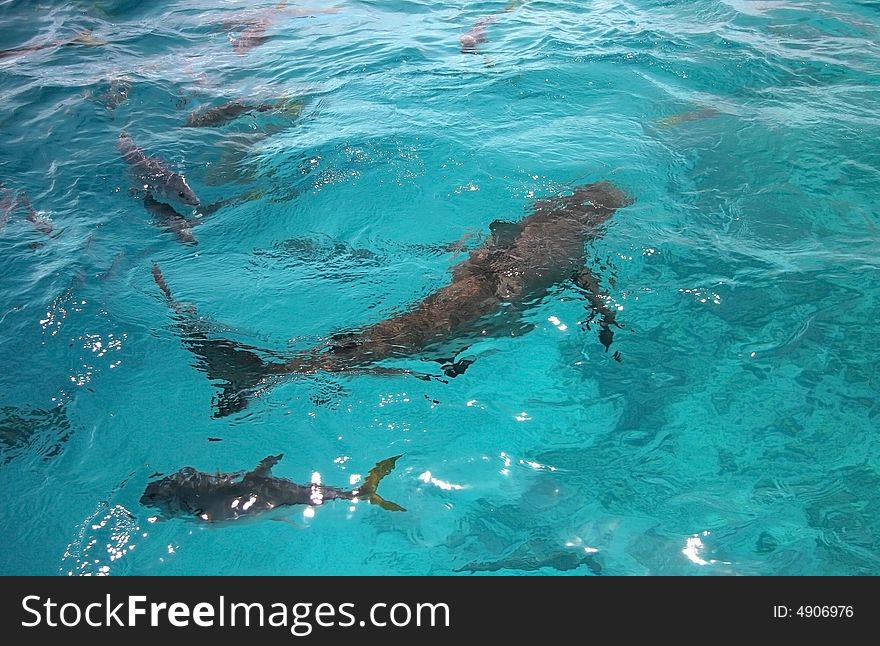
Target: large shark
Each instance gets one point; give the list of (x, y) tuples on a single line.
[(153, 175), (219, 497), (518, 264)]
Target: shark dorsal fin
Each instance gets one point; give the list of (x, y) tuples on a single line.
[(264, 468), (503, 232)]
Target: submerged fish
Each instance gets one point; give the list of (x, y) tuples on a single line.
[(222, 114), (9, 201), (253, 36), (476, 35), (684, 117), (84, 38), (196, 495), (153, 175), (32, 433), (518, 264), (254, 33), (41, 223)]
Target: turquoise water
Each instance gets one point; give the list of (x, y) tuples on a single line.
[(737, 435)]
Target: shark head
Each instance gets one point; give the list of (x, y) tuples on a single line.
[(595, 203), (468, 43), (173, 188), (182, 190), (604, 195)]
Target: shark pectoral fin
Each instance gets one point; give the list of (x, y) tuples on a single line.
[(503, 233), (606, 335), (371, 483), (598, 300), (264, 468), (208, 210), (453, 368)]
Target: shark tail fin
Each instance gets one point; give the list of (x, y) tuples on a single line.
[(368, 490), (179, 309), (159, 277)]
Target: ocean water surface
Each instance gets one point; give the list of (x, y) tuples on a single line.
[(735, 433)]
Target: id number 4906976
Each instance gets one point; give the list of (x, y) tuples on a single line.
[(813, 612)]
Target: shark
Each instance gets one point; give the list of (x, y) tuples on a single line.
[(153, 174), (85, 38), (223, 497), (210, 117), (255, 28), (10, 201), (518, 264), (471, 40), (39, 220)]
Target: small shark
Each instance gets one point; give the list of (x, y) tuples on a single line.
[(153, 175), (476, 35), (254, 34), (201, 496), (9, 202), (223, 114), (518, 264), (690, 115), (471, 40), (84, 38), (41, 223)]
